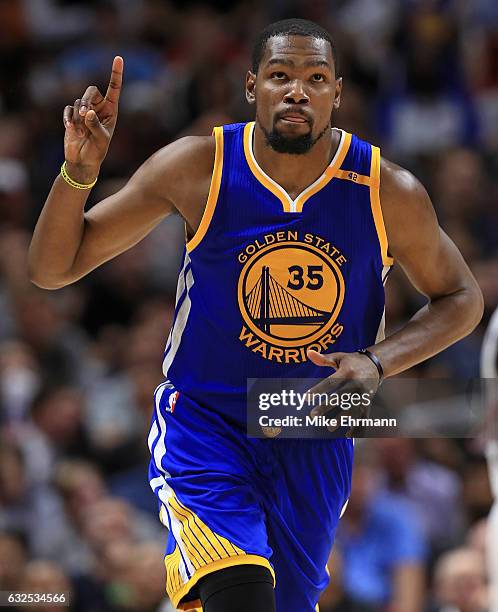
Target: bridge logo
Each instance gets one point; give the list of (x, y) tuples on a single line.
[(290, 293)]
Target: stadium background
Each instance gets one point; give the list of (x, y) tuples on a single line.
[(78, 366)]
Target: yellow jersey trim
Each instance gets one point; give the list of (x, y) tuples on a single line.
[(176, 596), (387, 260), (288, 204), (329, 174), (360, 179), (172, 564), (214, 190)]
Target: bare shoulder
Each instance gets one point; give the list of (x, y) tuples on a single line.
[(406, 205), (176, 177), (400, 185), (178, 166), (195, 153)]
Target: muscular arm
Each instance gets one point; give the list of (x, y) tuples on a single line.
[(435, 268), (408, 588), (68, 243)]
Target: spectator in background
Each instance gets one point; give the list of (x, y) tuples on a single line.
[(131, 578), (14, 195), (461, 190), (30, 508), (477, 496), (145, 577), (57, 414), (79, 484), (432, 490), (115, 534), (13, 558), (477, 537), (55, 429), (93, 519), (460, 582), (45, 577), (426, 107), (110, 520), (19, 381), (381, 542), (479, 21), (334, 599), (118, 407)]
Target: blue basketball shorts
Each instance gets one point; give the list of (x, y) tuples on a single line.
[(227, 499)]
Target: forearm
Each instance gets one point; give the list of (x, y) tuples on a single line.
[(408, 589), (59, 231), (433, 328)]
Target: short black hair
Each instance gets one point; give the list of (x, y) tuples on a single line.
[(291, 27)]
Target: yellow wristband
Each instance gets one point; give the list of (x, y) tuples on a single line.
[(74, 184)]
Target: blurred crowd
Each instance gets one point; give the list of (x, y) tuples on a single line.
[(78, 366)]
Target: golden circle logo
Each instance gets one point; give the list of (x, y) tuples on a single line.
[(290, 293)]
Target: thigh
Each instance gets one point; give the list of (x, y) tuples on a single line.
[(312, 485), (201, 470)]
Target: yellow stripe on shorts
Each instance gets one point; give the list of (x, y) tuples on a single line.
[(202, 544)]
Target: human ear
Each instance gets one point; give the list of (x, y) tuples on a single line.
[(338, 91), (250, 87)]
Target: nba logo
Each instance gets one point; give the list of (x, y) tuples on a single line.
[(172, 401)]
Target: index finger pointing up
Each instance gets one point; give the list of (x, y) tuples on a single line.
[(114, 88)]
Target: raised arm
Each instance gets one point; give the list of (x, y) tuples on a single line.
[(67, 242)]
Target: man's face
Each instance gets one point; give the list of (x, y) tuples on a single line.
[(295, 91)]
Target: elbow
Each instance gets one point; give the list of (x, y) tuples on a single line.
[(50, 285), (43, 280), (475, 306), (47, 283), (479, 306)]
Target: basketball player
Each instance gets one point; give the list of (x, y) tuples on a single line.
[(292, 228)]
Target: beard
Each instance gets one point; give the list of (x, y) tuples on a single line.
[(292, 145)]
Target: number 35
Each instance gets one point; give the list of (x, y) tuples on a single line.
[(314, 276)]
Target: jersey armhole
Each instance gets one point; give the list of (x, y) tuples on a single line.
[(387, 260), (214, 190)]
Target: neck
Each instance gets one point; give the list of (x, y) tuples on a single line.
[(295, 172)]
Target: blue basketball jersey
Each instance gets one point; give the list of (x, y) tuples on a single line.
[(266, 277)]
